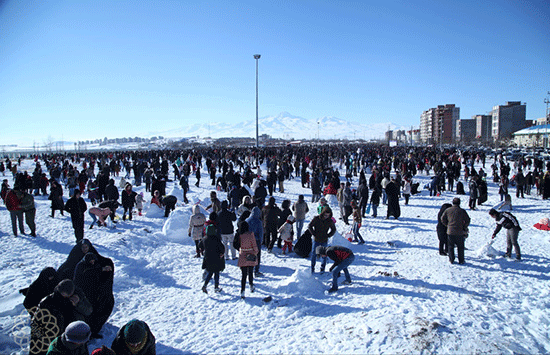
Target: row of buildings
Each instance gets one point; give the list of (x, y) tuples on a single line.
[(442, 124), (502, 125)]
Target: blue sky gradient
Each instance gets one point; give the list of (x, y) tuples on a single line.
[(93, 69)]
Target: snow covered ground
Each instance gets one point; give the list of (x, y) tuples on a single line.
[(405, 297)]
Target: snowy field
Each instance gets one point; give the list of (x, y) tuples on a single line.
[(405, 297)]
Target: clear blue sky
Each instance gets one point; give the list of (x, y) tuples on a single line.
[(92, 69)]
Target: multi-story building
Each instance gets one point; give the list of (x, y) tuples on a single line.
[(438, 124), (465, 131), (483, 127), (507, 119)]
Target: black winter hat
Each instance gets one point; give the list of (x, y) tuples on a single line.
[(134, 332)]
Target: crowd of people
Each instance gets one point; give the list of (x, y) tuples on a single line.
[(242, 216)]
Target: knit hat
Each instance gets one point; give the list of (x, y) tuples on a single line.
[(134, 332), (77, 332)]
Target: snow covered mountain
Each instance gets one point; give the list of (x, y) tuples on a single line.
[(287, 126)]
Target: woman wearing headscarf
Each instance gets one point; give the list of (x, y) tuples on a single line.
[(40, 288)]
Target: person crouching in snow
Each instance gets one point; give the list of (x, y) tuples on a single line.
[(286, 232), (99, 213), (343, 257)]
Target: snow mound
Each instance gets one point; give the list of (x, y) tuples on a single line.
[(339, 239), (176, 226), (487, 250), (176, 191), (154, 211), (332, 202), (302, 282)]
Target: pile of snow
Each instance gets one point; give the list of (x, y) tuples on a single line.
[(339, 239), (487, 250), (176, 226), (302, 282), (154, 211)]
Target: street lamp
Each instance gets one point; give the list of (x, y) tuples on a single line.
[(257, 56)]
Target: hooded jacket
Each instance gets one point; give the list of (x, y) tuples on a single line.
[(196, 223), (322, 228), (255, 225)]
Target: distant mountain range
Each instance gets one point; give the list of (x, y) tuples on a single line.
[(286, 126)]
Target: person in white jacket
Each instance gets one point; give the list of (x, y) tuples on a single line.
[(407, 190), (286, 232)]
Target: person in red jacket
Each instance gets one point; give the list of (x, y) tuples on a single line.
[(343, 257), (13, 204)]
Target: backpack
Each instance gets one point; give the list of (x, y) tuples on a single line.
[(303, 245)]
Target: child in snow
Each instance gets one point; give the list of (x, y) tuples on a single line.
[(286, 232), (357, 220), (139, 202)]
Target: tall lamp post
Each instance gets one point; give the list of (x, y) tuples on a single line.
[(257, 56), (546, 101)]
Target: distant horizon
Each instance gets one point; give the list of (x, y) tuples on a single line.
[(90, 69)]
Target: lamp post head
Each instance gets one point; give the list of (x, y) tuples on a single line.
[(257, 56)]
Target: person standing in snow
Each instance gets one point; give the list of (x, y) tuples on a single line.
[(196, 227), (321, 227), (300, 209), (343, 258), (213, 261), (76, 206), (256, 227), (457, 221), (226, 219), (248, 256), (128, 201), (511, 224), (286, 233)]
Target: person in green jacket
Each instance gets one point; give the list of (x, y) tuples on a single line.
[(73, 341)]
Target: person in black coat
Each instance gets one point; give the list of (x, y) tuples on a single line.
[(260, 194), (56, 196), (40, 288), (184, 183), (128, 201), (225, 223), (76, 206), (392, 191), (169, 203), (213, 261), (363, 195), (111, 191), (442, 230), (96, 281), (65, 305), (134, 338)]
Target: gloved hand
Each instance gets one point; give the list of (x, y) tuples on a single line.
[(494, 235)]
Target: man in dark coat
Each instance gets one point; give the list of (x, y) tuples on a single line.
[(76, 206), (363, 194), (128, 201), (442, 230), (457, 221), (392, 192), (134, 338), (225, 223), (111, 191)]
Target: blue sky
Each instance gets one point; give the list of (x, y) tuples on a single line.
[(93, 69)]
